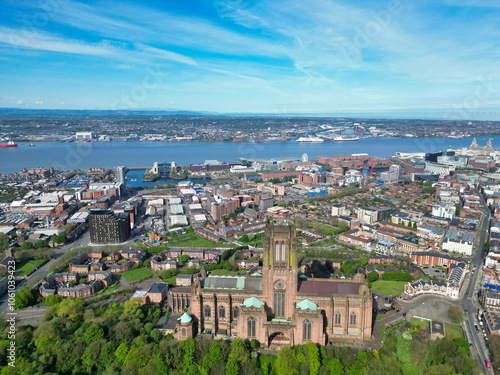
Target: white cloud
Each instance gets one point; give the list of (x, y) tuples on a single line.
[(19, 101), (39, 102)]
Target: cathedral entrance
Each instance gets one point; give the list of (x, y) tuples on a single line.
[(278, 339)]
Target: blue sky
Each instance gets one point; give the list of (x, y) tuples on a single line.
[(415, 59)]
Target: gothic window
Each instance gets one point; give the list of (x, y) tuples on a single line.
[(174, 303), (279, 303), (236, 311), (338, 318), (207, 311), (283, 251), (353, 319), (251, 327), (222, 312), (307, 330), (184, 332), (277, 251)]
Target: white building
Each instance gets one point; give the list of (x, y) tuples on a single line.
[(443, 210), (440, 169), (84, 136), (458, 242)]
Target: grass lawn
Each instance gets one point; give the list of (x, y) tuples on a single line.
[(392, 288), (222, 272), (137, 274), (421, 324), (29, 267), (190, 239), (403, 352), (380, 316), (453, 332), (171, 280), (324, 243), (109, 289)]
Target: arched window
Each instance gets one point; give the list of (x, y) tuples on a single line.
[(208, 311), (222, 312), (277, 251), (251, 327), (307, 330), (236, 311), (184, 332), (279, 303), (279, 298), (174, 303), (353, 319), (283, 252), (338, 318)]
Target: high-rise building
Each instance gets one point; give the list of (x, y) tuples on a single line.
[(120, 176), (106, 227)]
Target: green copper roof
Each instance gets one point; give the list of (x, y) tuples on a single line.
[(185, 318), (255, 274), (307, 305), (252, 302)]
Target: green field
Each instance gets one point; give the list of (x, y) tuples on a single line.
[(392, 288), (453, 332), (29, 267), (190, 239), (137, 274), (421, 324), (171, 280)]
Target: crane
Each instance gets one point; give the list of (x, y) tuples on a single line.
[(361, 164)]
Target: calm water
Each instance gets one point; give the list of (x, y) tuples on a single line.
[(68, 156)]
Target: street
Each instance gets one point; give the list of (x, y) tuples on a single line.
[(43, 271)]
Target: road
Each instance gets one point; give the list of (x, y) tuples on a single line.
[(43, 271), (468, 301)]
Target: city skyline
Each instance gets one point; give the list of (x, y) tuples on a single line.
[(383, 58)]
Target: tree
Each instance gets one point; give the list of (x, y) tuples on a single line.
[(41, 244), (121, 352), (23, 298), (232, 367), (27, 245), (286, 364), (72, 308), (456, 314), (4, 241), (314, 362), (419, 352), (335, 367), (93, 334), (439, 370), (183, 258), (363, 261), (372, 276)]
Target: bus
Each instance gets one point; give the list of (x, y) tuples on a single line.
[(488, 365)]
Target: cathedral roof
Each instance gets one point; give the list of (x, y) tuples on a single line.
[(185, 318), (244, 283), (307, 305), (327, 287), (252, 302)]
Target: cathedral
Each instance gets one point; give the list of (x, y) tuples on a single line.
[(276, 306)]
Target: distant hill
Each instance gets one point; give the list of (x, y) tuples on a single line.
[(97, 112)]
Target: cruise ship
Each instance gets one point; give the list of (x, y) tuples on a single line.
[(309, 139), (343, 138)]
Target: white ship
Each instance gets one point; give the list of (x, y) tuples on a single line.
[(309, 139), (343, 138)]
